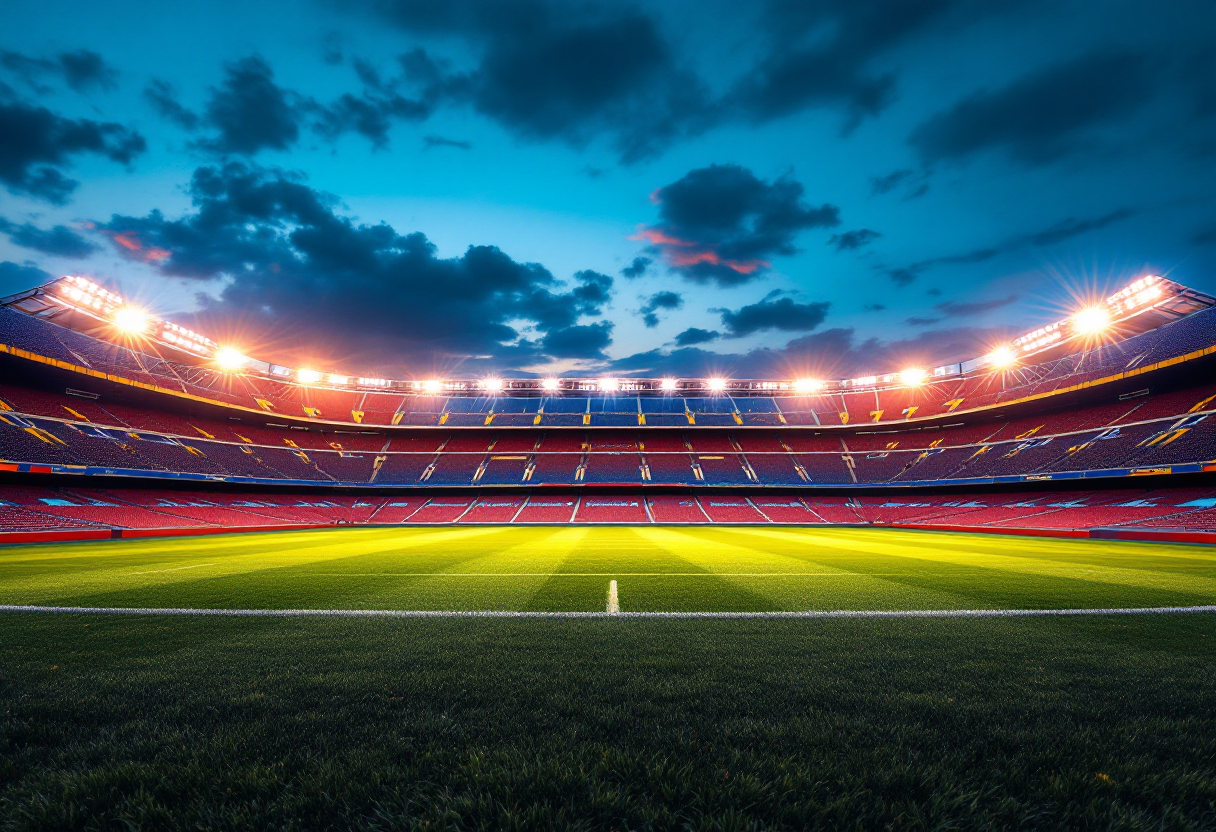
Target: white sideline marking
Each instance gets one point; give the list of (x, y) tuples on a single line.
[(173, 569), (186, 611), (614, 606)]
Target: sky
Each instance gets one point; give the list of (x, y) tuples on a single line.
[(778, 189)]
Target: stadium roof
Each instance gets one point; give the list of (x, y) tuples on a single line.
[(83, 305)]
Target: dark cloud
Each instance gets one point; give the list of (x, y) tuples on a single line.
[(904, 275), (549, 70), (830, 54), (917, 321), (16, 277), (874, 307), (962, 309), (1072, 227), (721, 224), (885, 184), (773, 313), (249, 112), (657, 301), (593, 291), (637, 268), (36, 143), (307, 281), (1053, 234), (163, 98), (831, 353), (695, 335), (578, 341), (59, 241), (81, 70), (1044, 115), (371, 113), (853, 240), (433, 141)]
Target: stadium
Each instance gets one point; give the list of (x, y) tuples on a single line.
[(150, 471), (118, 424)]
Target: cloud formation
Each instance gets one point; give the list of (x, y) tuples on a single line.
[(58, 241), (722, 224), (659, 301), (830, 353), (36, 144), (82, 70), (773, 313), (548, 70), (249, 112), (299, 275), (853, 240), (695, 335), (16, 277), (1044, 115)]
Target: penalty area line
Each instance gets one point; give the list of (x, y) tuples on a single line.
[(236, 613)]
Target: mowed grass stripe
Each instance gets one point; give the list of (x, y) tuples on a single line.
[(866, 588), (663, 569), (1012, 560)]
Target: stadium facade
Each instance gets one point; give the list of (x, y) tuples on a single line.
[(113, 422)]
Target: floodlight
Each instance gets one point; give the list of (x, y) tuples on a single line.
[(668, 384), (432, 385), (548, 384), (1091, 320), (717, 384), (229, 359), (336, 379), (912, 376), (308, 376), (609, 385), (1003, 357), (807, 385), (492, 384), (131, 320)]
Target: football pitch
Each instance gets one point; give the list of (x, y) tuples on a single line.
[(602, 721), (570, 569)]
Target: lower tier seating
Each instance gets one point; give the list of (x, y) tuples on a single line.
[(36, 508)]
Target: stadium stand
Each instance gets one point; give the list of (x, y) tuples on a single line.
[(79, 406)]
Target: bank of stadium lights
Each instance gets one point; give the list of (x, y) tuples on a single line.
[(131, 319), (1141, 294), (230, 359), (1091, 320)]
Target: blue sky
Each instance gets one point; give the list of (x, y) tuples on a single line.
[(753, 189)]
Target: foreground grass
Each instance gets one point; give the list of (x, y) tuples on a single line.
[(568, 568), (191, 723)]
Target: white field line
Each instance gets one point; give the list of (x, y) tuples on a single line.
[(172, 569), (185, 611), (614, 605)]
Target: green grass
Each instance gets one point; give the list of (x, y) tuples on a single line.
[(564, 568), (191, 723), (118, 722)]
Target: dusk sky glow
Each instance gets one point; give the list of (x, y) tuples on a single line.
[(524, 187)]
